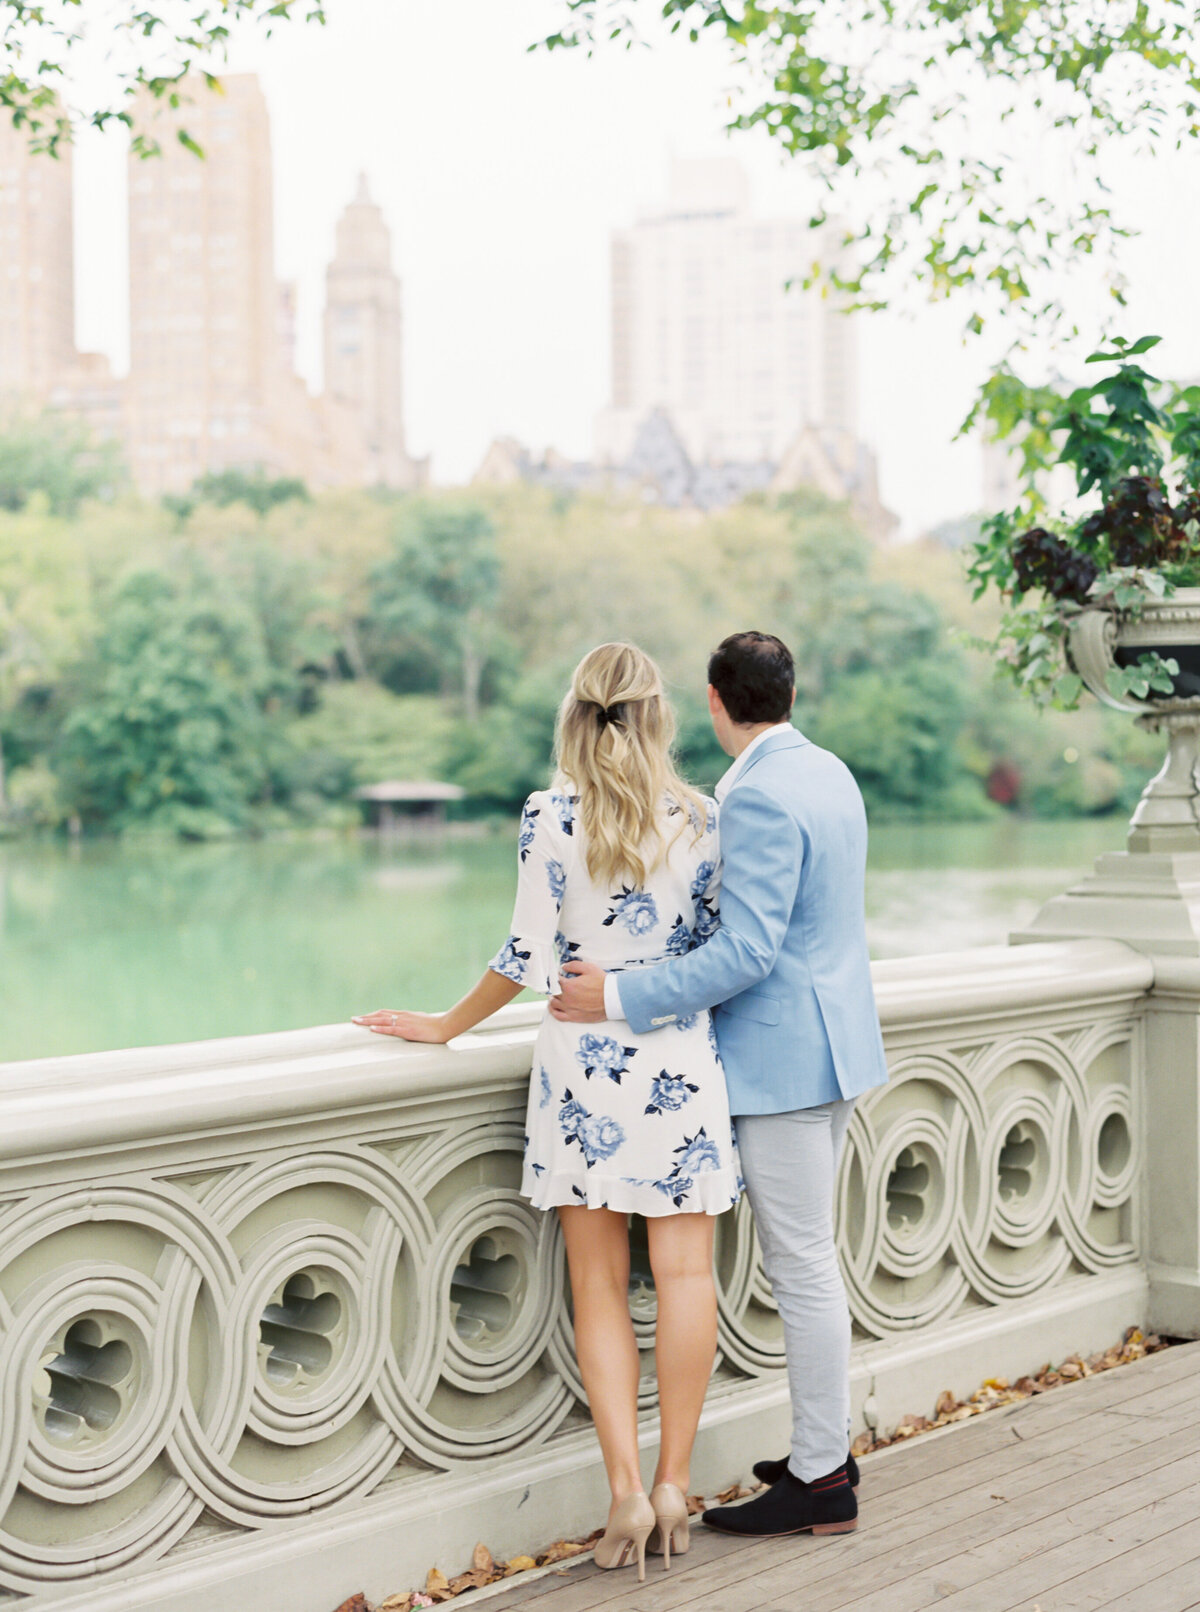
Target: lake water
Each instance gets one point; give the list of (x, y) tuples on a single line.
[(108, 945)]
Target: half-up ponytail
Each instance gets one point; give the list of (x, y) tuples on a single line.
[(613, 745)]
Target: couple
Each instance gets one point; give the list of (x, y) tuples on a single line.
[(636, 914)]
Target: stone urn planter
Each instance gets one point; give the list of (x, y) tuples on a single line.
[(1168, 815)]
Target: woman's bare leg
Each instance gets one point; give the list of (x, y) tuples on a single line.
[(681, 1257), (598, 1255)]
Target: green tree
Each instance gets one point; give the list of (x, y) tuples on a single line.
[(360, 733), (146, 46), (48, 454), (168, 727), (902, 113), (432, 603), (254, 488)]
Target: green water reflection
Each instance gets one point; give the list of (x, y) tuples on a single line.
[(105, 945)]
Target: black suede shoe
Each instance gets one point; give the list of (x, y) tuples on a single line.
[(771, 1471), (825, 1506)]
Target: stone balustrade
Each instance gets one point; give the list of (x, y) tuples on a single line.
[(276, 1324)]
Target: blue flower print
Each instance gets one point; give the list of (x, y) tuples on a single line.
[(601, 1055), (570, 1114), (538, 1169), (675, 1187), (579, 1192), (528, 829), (564, 805), (708, 921), (698, 1153), (545, 1095), (511, 961), (565, 950), (600, 1137), (668, 1093), (687, 1021), (679, 941), (556, 878), (702, 879), (635, 909)]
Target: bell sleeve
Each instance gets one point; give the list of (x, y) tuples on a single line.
[(529, 956)]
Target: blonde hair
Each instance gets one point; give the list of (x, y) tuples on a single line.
[(613, 746)]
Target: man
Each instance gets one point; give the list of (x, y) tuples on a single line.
[(789, 978)]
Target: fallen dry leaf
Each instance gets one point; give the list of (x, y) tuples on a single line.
[(356, 1603), (437, 1585), (519, 1564), (560, 1550), (482, 1560), (470, 1580), (397, 1603), (997, 1391), (695, 1504)]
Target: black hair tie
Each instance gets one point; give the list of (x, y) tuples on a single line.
[(606, 714)]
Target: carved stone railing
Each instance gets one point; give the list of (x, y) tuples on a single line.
[(276, 1324)]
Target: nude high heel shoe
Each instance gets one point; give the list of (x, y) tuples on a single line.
[(626, 1535), (671, 1523)]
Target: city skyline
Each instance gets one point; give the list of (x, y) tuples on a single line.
[(502, 174), (727, 376), (211, 383)]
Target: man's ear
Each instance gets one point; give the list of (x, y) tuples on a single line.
[(792, 703), (715, 704)]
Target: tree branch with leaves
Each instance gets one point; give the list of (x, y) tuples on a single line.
[(933, 126), (146, 48)]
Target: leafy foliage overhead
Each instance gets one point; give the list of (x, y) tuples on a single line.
[(935, 125), (146, 46)]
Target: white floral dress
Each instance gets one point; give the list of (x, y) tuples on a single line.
[(617, 1120)]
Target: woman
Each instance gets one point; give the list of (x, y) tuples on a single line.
[(619, 863)]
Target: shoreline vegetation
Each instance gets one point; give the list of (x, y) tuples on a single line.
[(240, 660)]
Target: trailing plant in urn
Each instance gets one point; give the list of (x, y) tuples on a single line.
[(1132, 443)]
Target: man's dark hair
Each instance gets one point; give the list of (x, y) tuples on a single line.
[(755, 676)]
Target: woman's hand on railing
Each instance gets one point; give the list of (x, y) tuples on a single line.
[(407, 1026)]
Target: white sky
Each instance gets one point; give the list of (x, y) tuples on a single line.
[(502, 174)]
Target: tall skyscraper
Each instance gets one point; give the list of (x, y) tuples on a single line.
[(205, 367), (364, 337), (705, 326), (37, 267)]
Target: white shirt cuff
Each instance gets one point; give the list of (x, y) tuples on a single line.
[(612, 997)]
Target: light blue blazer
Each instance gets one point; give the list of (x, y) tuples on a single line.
[(796, 1021)]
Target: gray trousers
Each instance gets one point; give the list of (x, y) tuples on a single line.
[(790, 1163)]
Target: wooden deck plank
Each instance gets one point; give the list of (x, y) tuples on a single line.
[(1073, 1438), (1036, 1498), (1151, 1548), (1175, 1591), (768, 1566), (900, 1523), (1050, 1552), (916, 1551)]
